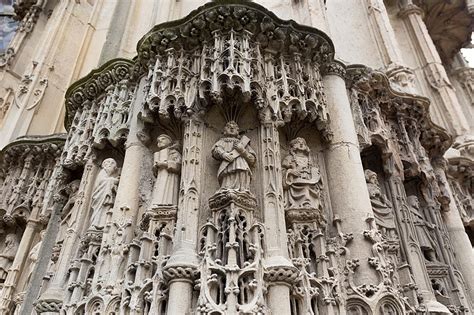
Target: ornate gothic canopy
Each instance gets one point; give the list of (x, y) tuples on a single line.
[(219, 48)]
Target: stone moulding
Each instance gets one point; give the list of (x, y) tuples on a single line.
[(94, 84), (434, 138), (265, 28), (22, 142)]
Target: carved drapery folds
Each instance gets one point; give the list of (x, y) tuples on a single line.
[(165, 213)]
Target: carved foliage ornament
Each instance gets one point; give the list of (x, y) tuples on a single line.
[(265, 28), (94, 84), (392, 103)]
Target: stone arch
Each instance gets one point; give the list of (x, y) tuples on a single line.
[(357, 307), (113, 307), (95, 306), (388, 306)]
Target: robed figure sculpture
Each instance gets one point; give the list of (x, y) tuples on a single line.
[(105, 189), (237, 158), (381, 205), (167, 168), (301, 179)]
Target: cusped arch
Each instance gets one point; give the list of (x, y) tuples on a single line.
[(357, 307), (388, 306)]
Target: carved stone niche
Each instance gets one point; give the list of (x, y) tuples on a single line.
[(423, 218), (97, 112), (380, 193), (28, 165)]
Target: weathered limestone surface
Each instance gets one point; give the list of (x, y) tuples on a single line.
[(231, 161)]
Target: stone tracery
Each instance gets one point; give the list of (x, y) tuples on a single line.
[(208, 242)]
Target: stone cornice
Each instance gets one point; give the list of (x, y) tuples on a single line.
[(375, 83), (263, 26), (94, 85), (54, 142)]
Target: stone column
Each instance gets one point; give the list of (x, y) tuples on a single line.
[(55, 293), (46, 250), (181, 267), (462, 245), (449, 109), (412, 251), (16, 268), (118, 232), (346, 181), (280, 270), (401, 76)]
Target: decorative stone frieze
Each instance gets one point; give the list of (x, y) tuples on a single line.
[(234, 167)]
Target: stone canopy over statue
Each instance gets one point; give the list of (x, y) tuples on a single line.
[(301, 179), (237, 159), (103, 195), (167, 168)]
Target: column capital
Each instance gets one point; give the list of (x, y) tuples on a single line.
[(184, 272), (334, 67)]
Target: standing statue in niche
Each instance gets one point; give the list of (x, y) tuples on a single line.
[(237, 158), (301, 179), (167, 168), (7, 255), (72, 190), (103, 195), (423, 227), (381, 206), (34, 255)]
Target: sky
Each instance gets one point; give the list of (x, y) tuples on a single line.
[(469, 54)]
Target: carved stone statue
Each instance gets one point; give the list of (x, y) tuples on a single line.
[(381, 206), (72, 190), (8, 254), (237, 159), (34, 255), (301, 179), (423, 227), (104, 192), (167, 168)]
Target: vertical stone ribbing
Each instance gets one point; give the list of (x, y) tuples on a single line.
[(434, 70), (281, 271), (182, 264)]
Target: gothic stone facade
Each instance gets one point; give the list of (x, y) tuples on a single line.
[(235, 165)]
